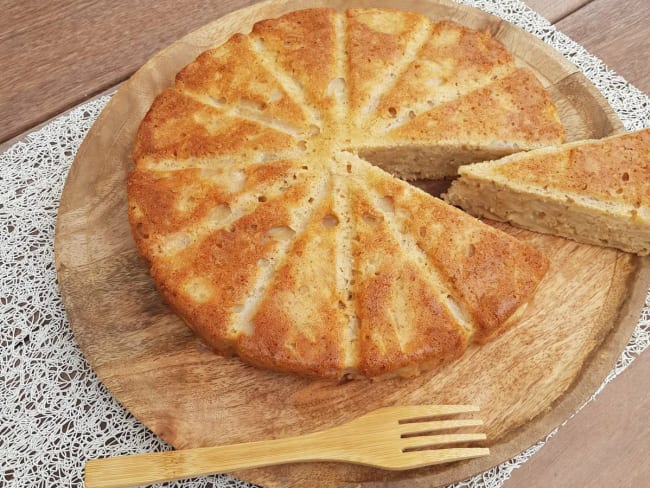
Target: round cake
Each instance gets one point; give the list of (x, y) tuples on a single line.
[(268, 193)]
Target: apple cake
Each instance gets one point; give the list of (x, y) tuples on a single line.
[(265, 199), (594, 192)]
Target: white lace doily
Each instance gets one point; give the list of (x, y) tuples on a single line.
[(54, 412)]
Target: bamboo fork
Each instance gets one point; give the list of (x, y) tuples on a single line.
[(393, 438)]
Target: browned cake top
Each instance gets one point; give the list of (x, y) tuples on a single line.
[(275, 242), (453, 61), (512, 109), (303, 44), (615, 170)]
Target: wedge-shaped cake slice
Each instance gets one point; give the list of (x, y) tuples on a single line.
[(595, 192), (304, 51), (178, 127), (301, 322), (380, 44), (216, 273), (454, 60), (234, 77), (485, 276), (511, 114), (166, 202), (404, 321)]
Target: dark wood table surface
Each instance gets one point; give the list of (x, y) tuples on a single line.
[(55, 55)]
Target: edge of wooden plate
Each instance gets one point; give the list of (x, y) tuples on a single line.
[(158, 73)]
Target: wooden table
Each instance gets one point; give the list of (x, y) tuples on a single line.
[(55, 55)]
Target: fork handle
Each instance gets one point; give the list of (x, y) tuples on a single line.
[(139, 469)]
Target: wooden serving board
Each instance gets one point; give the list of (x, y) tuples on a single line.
[(526, 382)]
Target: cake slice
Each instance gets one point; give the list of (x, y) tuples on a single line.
[(301, 323), (236, 78), (303, 50), (168, 205), (380, 44), (511, 114), (455, 60), (404, 319), (179, 127), (595, 192)]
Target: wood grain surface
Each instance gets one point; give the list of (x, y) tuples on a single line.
[(63, 52), (526, 382), (78, 48), (623, 43), (615, 424), (554, 10)]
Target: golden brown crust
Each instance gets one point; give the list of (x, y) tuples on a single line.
[(489, 273), (402, 319), (454, 60), (376, 42), (272, 245), (232, 75), (209, 281), (615, 170), (302, 43), (179, 127), (299, 325), (163, 202), (515, 109)]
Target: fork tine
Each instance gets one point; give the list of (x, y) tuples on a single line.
[(415, 428), (418, 459), (422, 442)]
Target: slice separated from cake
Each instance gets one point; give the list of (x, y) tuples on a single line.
[(594, 192)]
